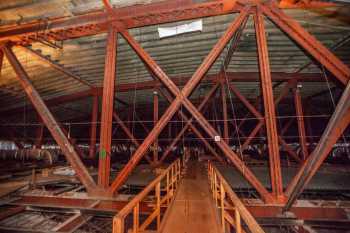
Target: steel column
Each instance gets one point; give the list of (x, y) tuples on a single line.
[(269, 107), (224, 112), (107, 109), (93, 127), (50, 122), (39, 136), (300, 120), (336, 125), (155, 119), (1, 60)]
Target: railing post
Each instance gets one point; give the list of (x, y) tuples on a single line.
[(222, 202), (167, 188), (179, 170), (158, 204), (136, 218), (238, 221), (118, 225), (215, 190)]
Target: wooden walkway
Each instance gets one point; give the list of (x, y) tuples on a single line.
[(193, 209)]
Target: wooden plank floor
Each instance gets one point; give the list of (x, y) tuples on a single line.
[(193, 210)]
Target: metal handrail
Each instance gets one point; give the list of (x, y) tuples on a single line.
[(227, 201), (171, 177)]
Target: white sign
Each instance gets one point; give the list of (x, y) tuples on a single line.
[(181, 29), (217, 138)]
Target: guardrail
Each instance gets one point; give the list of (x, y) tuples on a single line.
[(164, 187), (232, 210)]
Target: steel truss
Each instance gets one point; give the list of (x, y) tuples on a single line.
[(118, 21)]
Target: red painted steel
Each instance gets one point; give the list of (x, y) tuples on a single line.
[(39, 134), (155, 119), (337, 124), (130, 135), (201, 107), (107, 109), (181, 97), (301, 124), (56, 66), (235, 76), (186, 91), (50, 122), (131, 17), (269, 106), (93, 127), (308, 42), (226, 136), (193, 128), (1, 60)]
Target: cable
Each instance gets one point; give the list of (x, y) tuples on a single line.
[(333, 101)]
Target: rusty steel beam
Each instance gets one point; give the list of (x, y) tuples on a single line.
[(343, 41), (251, 109), (50, 122), (131, 17), (201, 107), (108, 6), (301, 123), (269, 107), (289, 150), (337, 124), (93, 127), (130, 135), (107, 108), (1, 60), (308, 42), (10, 211), (186, 91), (226, 136), (155, 119), (232, 48), (145, 85), (181, 98), (39, 136), (56, 66), (193, 128)]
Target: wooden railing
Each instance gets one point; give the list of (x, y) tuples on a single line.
[(158, 194), (232, 210)]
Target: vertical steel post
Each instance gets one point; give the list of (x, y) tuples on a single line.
[(93, 127), (269, 106), (1, 60), (155, 119), (50, 122), (300, 119), (224, 112), (108, 108), (39, 133)]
